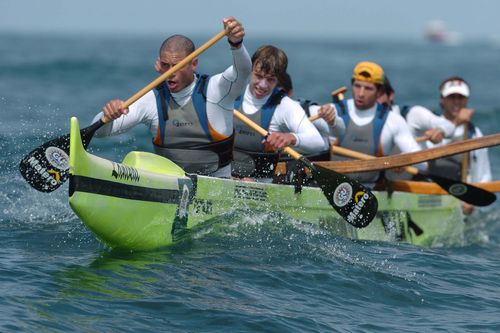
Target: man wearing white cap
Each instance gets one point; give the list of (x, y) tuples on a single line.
[(455, 94)]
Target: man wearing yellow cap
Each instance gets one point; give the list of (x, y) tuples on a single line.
[(370, 127)]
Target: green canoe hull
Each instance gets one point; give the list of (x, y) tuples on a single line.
[(146, 202)]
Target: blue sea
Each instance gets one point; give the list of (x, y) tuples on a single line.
[(259, 273)]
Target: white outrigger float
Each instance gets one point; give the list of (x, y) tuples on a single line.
[(147, 202)]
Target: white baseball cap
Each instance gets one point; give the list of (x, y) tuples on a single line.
[(455, 87)]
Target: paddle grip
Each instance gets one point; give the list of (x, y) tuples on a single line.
[(337, 95)]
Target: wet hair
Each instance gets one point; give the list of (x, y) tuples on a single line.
[(286, 83), (387, 87), (177, 43), (271, 60), (452, 78)]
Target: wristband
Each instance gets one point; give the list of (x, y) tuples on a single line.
[(237, 44)]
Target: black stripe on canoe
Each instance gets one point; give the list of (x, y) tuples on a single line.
[(119, 190)]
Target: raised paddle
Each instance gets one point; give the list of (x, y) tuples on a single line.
[(466, 192), (47, 167), (354, 202)]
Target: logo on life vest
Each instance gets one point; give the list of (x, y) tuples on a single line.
[(342, 194), (178, 123), (360, 199), (57, 158)]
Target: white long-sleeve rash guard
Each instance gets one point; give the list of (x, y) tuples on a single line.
[(289, 117), (328, 132), (395, 131), (222, 90)]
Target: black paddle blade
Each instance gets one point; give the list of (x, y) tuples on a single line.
[(466, 192), (353, 201), (47, 167)]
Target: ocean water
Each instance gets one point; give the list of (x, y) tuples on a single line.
[(244, 273)]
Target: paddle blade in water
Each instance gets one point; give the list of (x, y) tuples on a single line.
[(466, 192), (47, 167), (353, 201)]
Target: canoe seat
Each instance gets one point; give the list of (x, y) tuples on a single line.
[(153, 162)]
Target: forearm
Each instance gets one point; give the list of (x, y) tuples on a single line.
[(225, 87), (143, 111)]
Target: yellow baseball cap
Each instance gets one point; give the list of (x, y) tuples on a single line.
[(368, 71)]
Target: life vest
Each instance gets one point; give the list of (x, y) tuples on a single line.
[(404, 110), (185, 135), (451, 166), (364, 139), (252, 158), (323, 155)]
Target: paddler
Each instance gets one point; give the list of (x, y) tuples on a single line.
[(370, 126), (328, 124), (423, 122), (454, 97), (271, 108), (190, 115)]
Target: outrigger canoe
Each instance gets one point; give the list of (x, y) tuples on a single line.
[(146, 202)]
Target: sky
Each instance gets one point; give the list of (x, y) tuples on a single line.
[(397, 19)]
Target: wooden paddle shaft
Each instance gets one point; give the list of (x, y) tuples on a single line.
[(247, 121), (315, 117), (465, 159), (170, 72), (174, 69), (336, 94), (362, 156), (433, 188), (394, 161)]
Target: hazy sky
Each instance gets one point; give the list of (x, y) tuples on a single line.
[(476, 19)]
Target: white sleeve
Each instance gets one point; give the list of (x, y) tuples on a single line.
[(480, 169), (396, 131), (336, 130), (142, 111), (420, 119), (224, 88), (289, 117)]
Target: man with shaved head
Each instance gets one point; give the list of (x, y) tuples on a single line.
[(189, 115)]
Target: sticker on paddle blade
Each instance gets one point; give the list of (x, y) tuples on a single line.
[(57, 158), (458, 189), (42, 173), (360, 200), (342, 194)]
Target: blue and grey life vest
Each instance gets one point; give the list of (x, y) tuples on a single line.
[(185, 135), (364, 139), (404, 110), (451, 166), (251, 158), (323, 155)]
